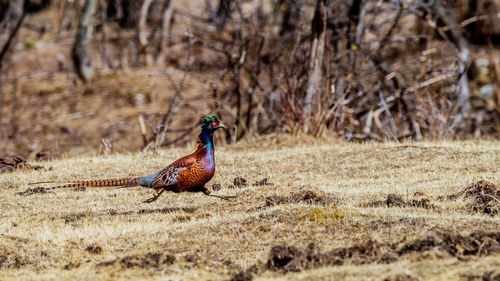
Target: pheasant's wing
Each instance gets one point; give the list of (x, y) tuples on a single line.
[(168, 176)]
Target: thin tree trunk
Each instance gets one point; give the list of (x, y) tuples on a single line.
[(65, 19), (464, 55), (167, 18), (315, 63), (104, 49), (10, 25), (81, 60), (130, 13), (291, 15), (3, 132), (142, 32), (356, 12), (223, 14)]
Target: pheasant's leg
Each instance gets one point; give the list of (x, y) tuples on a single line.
[(207, 192), (155, 197)]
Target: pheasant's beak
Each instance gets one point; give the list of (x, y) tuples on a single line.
[(221, 125)]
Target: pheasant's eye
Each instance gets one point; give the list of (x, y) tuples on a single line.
[(214, 124)]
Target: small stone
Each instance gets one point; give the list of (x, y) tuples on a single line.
[(216, 187)]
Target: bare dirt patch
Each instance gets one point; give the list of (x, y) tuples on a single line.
[(13, 162), (245, 275), (401, 277), (149, 260), (71, 265), (75, 217), (168, 210), (263, 182), (285, 258), (189, 258), (31, 191), (307, 196), (240, 182), (486, 276), (11, 260), (460, 246), (394, 200), (484, 197), (290, 258), (71, 218), (94, 249)]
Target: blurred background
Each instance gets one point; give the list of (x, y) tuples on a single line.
[(99, 76)]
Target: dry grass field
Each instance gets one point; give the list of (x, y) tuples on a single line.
[(328, 211)]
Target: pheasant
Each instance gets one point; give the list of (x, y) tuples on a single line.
[(187, 174)]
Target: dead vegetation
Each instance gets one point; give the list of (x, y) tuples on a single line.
[(359, 70), (291, 79), (335, 210), (483, 197)]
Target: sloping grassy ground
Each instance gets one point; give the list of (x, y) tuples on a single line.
[(333, 196)]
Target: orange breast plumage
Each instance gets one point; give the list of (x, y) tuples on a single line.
[(193, 178)]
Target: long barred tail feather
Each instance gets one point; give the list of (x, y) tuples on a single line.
[(121, 182), (40, 182)]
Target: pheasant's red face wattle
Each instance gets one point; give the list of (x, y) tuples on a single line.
[(215, 124)]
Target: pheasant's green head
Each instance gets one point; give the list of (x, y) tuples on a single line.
[(211, 123)]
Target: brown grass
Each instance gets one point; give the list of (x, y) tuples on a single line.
[(61, 119), (321, 194)]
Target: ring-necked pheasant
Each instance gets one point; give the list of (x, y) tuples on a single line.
[(189, 173)]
